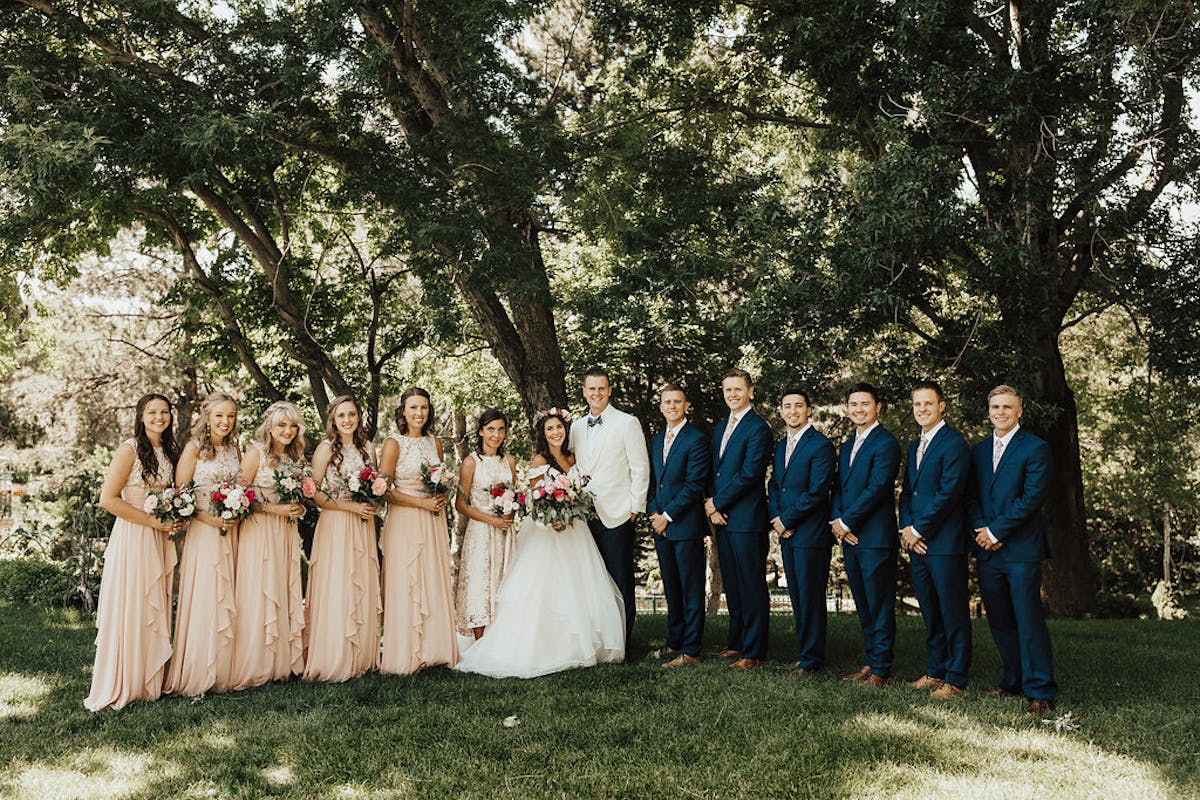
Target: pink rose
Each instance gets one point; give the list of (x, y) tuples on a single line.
[(150, 504), (308, 487), (559, 494), (379, 486)]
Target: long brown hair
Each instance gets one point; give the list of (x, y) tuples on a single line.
[(402, 423), (541, 447), (331, 433), (147, 458)]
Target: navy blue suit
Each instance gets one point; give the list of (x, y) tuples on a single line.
[(1009, 502), (798, 497), (933, 502), (737, 487), (864, 499), (677, 490)]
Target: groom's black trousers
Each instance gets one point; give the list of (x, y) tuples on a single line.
[(616, 548)]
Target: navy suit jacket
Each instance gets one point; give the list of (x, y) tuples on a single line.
[(933, 498), (1009, 501), (799, 493), (677, 487), (864, 494), (738, 481)]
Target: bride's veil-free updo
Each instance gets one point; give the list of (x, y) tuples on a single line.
[(540, 446)]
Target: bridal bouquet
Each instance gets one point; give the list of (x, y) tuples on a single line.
[(294, 484), (559, 501), (230, 501), (504, 501), (172, 503)]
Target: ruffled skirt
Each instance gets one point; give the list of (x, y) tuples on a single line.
[(343, 607), (205, 612)]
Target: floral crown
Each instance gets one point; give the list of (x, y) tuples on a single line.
[(563, 413)]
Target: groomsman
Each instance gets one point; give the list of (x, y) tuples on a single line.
[(1011, 476), (933, 528), (610, 448), (680, 460), (864, 512), (736, 505), (798, 506)]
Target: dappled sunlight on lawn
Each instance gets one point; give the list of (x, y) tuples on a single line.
[(21, 695), (963, 757), (96, 774)]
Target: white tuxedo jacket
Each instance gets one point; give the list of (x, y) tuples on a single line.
[(615, 457)]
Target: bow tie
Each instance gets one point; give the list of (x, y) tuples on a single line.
[(594, 421)]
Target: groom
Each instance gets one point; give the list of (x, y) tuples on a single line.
[(610, 448)]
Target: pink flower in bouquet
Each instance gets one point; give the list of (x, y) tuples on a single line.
[(379, 486), (150, 504), (308, 487), (562, 481)]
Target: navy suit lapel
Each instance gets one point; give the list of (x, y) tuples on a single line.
[(676, 445), (1013, 444), (802, 445), (867, 444), (934, 445), (739, 430)]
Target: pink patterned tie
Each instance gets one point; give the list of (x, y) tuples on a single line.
[(728, 430), (921, 450), (791, 445), (670, 437), (997, 451), (858, 440)]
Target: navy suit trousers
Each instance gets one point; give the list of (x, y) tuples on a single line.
[(807, 570), (743, 559), (682, 565), (871, 574), (940, 583), (616, 549), (1012, 596)]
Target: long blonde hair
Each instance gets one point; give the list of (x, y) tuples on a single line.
[(202, 435), (281, 411)]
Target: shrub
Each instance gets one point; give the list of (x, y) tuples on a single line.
[(31, 581)]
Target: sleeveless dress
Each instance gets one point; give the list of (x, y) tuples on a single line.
[(205, 611), (485, 550), (418, 607), (268, 639), (557, 608), (342, 609), (133, 618)]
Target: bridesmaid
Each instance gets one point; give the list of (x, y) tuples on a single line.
[(268, 634), (343, 573), (205, 611), (418, 607), (133, 621), (487, 543)]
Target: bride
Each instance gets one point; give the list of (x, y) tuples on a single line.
[(557, 608)]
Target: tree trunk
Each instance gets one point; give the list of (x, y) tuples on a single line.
[(1068, 584), (1166, 555)]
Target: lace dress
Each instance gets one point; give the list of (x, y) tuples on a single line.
[(205, 610), (485, 550), (133, 618), (418, 607), (343, 607), (268, 642), (557, 608)]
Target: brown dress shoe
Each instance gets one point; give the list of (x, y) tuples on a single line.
[(681, 660), (800, 672), (946, 691), (746, 663), (997, 691), (860, 675), (729, 653), (926, 682), (1040, 707), (875, 680), (669, 652)]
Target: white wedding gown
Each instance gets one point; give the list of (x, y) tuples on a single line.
[(557, 608)]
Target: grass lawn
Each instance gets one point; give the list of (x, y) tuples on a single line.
[(1130, 687)]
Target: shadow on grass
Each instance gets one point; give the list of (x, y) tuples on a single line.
[(614, 731)]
